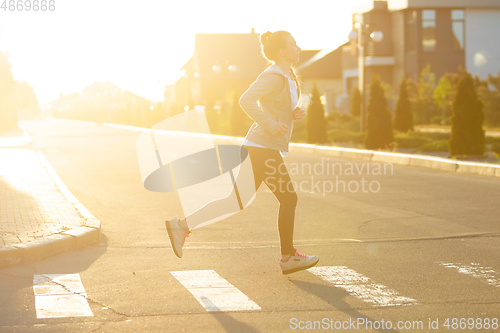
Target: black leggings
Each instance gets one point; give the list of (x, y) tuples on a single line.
[(268, 167)]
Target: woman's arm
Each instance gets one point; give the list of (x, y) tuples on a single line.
[(264, 85)]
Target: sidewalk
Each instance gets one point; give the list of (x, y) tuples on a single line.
[(14, 139), (38, 215)]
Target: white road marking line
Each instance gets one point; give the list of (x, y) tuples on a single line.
[(60, 295), (361, 286), (213, 292), (476, 270)]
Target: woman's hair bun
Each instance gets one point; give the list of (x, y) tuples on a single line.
[(265, 36)]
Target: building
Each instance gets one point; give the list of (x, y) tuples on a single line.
[(226, 64), (445, 34), (324, 68), (222, 65)]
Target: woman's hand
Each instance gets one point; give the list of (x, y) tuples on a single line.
[(281, 129), (298, 114)]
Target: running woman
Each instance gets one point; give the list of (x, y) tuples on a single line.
[(277, 91)]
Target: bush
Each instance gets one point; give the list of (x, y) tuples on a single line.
[(356, 102), (492, 139), (434, 146), (316, 122), (403, 119), (378, 118), (436, 120), (340, 117), (299, 131), (340, 135), (496, 148), (431, 135), (467, 134), (410, 141), (331, 117)]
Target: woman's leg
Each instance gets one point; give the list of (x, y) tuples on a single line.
[(268, 166), (220, 207), (279, 182)]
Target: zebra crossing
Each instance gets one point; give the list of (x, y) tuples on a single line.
[(63, 295), (60, 295), (485, 273), (213, 292), (361, 286)]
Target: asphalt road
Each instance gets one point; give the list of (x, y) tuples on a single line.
[(423, 247)]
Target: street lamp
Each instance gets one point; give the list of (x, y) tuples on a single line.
[(359, 34), (480, 59)]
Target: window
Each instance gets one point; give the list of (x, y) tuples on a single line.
[(457, 26), (411, 31), (429, 30)]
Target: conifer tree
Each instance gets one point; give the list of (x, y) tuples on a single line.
[(467, 134), (316, 122), (8, 108), (403, 116), (378, 119), (356, 102)]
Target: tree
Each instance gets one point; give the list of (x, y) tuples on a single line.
[(488, 92), (444, 94), (356, 102), (390, 95), (8, 110), (316, 122), (403, 117), (378, 120), (422, 96), (25, 99), (467, 134)]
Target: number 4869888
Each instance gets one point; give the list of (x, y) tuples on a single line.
[(28, 5)]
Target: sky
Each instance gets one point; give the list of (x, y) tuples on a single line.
[(141, 46)]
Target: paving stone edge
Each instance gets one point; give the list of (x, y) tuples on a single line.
[(45, 247)]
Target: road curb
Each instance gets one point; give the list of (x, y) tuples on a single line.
[(24, 140), (423, 161), (48, 246)]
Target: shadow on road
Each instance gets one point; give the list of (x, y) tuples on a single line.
[(227, 322), (17, 299), (335, 297)]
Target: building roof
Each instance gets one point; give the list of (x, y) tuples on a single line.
[(369, 6), (244, 52), (305, 55), (322, 64), (394, 5), (100, 87), (240, 50), (402, 4)]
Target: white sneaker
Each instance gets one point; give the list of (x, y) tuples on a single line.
[(177, 235), (298, 262)]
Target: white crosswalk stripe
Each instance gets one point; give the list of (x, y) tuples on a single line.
[(60, 295), (361, 286), (63, 295), (213, 292), (485, 273)]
